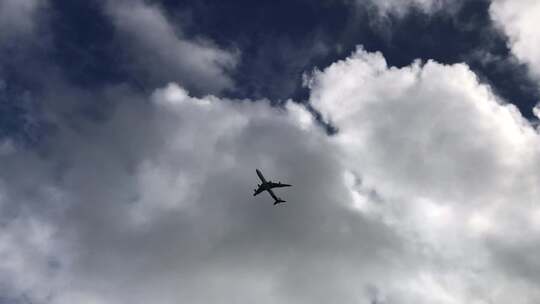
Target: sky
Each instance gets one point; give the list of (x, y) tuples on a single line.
[(130, 131)]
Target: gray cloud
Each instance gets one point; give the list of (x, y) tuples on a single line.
[(17, 18), (162, 52), (415, 200), (401, 7)]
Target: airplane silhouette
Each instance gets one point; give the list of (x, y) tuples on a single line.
[(268, 186)]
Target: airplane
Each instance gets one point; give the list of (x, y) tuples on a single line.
[(268, 186)]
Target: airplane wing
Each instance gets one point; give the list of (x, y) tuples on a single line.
[(278, 185), (260, 175), (273, 195), (277, 200), (258, 190)]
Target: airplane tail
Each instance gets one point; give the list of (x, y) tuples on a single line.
[(279, 201)]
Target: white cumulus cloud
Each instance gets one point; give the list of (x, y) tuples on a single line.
[(518, 20)]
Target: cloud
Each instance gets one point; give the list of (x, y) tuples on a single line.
[(165, 54), (517, 19), (17, 17), (401, 7), (425, 195), (422, 104), (441, 149)]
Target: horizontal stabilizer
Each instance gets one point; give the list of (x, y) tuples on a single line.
[(279, 201)]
